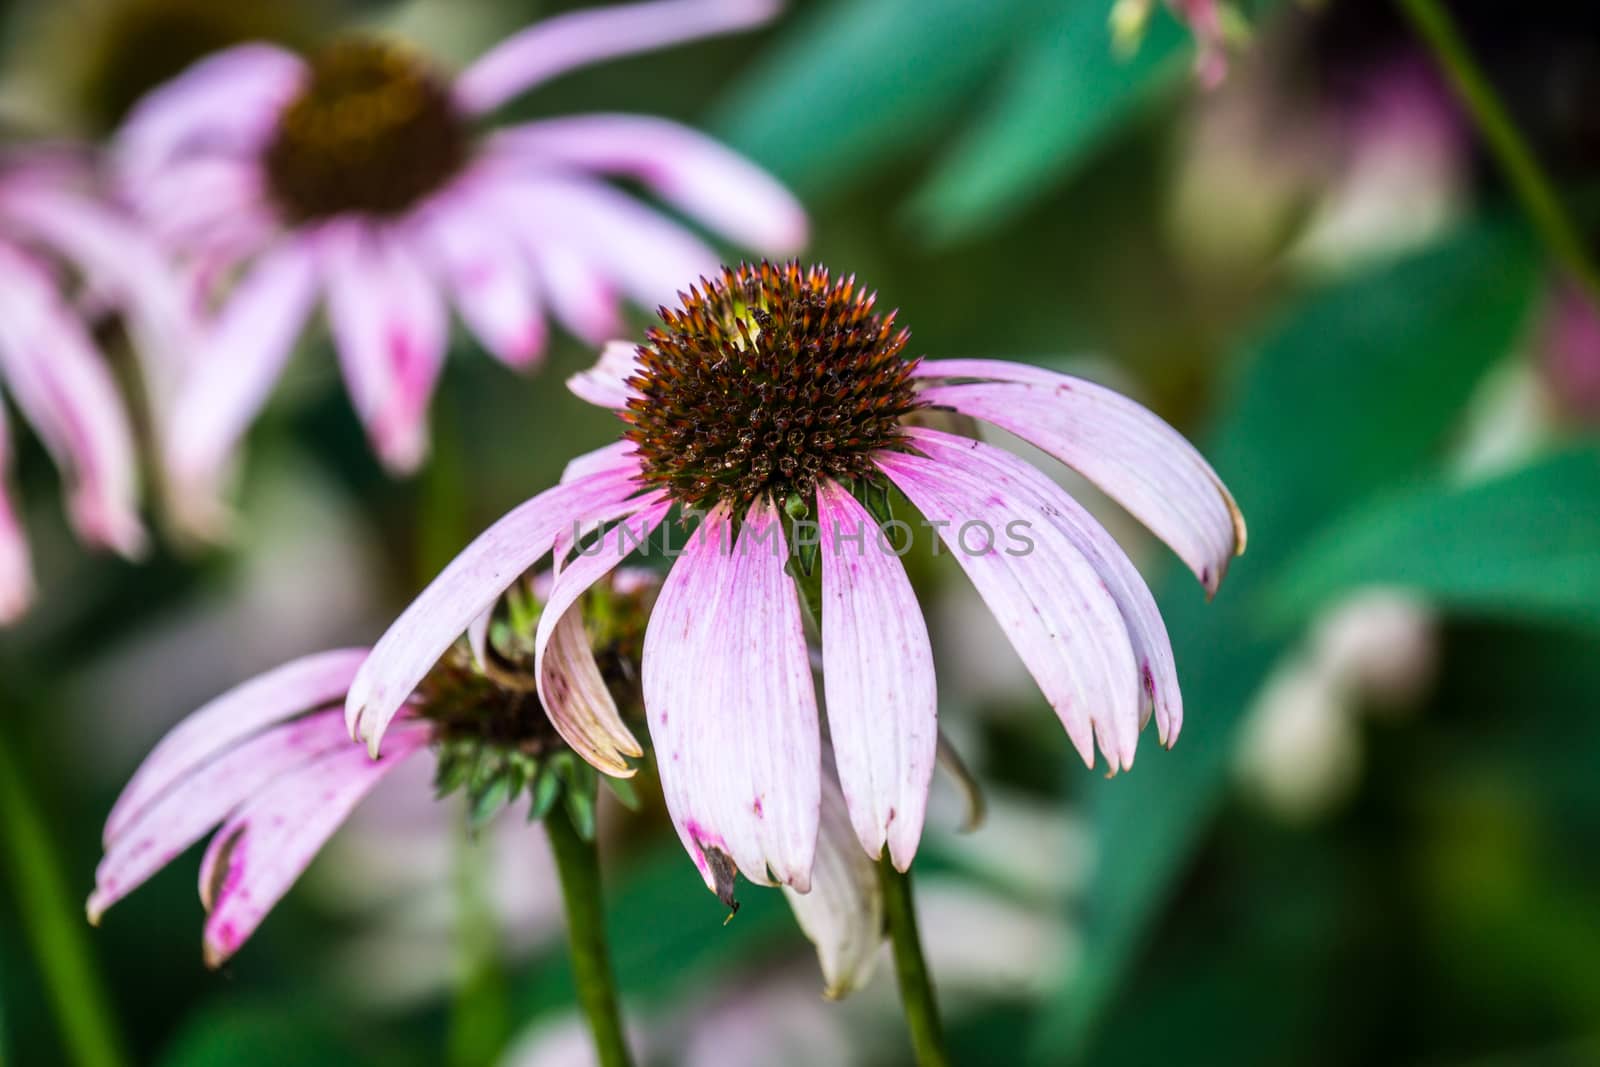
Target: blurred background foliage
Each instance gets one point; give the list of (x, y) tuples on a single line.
[(1315, 270)]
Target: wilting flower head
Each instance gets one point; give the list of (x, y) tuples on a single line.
[(270, 768), (57, 239), (774, 392), (363, 176)]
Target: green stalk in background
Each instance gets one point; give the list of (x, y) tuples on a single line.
[(54, 925), (1532, 186), (578, 864)]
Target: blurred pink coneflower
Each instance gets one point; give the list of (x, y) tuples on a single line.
[(364, 176), (778, 392)]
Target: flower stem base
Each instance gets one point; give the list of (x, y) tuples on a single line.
[(916, 985), (578, 864)]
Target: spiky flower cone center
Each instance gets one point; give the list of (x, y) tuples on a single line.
[(766, 379), (373, 131)]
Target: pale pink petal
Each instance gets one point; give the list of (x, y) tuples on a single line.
[(238, 363), (260, 852), (279, 694), (564, 42), (842, 915), (571, 688), (1125, 449), (62, 385), (618, 455), (122, 266), (205, 203), (606, 383), (1158, 672), (877, 676), (203, 798), (391, 329), (1046, 597), (694, 173), (646, 254), (491, 282), (468, 587), (16, 568), (224, 104), (737, 742), (581, 297)]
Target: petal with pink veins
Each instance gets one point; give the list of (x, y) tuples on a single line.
[(1127, 450), (266, 845), (571, 688), (877, 675), (204, 797), (1158, 672), (694, 173), (580, 38), (1047, 598), (469, 586)]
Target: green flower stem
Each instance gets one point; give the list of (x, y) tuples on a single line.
[(1438, 31), (578, 864), (480, 1022), (916, 985), (54, 925)]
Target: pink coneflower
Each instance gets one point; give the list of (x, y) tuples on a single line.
[(271, 770), (364, 176), (775, 392), (55, 238)]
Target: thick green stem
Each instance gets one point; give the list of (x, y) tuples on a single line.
[(1549, 216), (54, 925), (578, 864), (916, 985)]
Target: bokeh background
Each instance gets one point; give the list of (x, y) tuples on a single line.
[(1377, 839)]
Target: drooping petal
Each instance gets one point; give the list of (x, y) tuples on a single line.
[(581, 297), (1125, 449), (1158, 672), (647, 255), (238, 363), (279, 694), (606, 383), (389, 323), (737, 739), (63, 387), (571, 688), (468, 587), (204, 798), (1046, 597), (618, 455), (694, 173), (16, 568), (557, 45), (121, 265), (877, 674), (491, 283), (842, 915), (264, 847)]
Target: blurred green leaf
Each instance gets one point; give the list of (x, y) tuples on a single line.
[(1524, 546), (264, 1034), (1063, 92), (1354, 393), (855, 83)]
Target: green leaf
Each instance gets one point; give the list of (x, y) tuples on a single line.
[(856, 83), (1523, 546), (1059, 98), (1354, 394)]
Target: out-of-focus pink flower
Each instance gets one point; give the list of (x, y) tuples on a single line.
[(51, 226), (778, 391), (361, 177), (1572, 352)]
